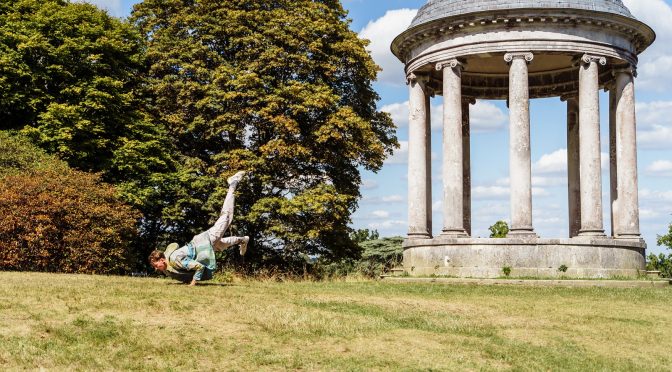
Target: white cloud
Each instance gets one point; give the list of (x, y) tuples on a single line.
[(553, 163), (381, 32), (484, 116), (388, 224), (114, 7), (656, 62), (380, 214), (490, 192), (400, 155), (383, 200), (654, 124), (392, 199), (369, 184), (660, 168), (655, 196)]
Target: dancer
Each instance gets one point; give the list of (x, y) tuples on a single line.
[(195, 261)]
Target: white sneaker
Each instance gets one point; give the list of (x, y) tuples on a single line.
[(236, 178), (243, 245)]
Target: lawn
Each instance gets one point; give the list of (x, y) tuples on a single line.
[(77, 322)]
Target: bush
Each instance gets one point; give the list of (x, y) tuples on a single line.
[(378, 257), (499, 230), (660, 263), (64, 221)]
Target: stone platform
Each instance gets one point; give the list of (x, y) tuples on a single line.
[(527, 257)]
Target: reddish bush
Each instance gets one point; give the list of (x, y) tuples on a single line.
[(64, 221)]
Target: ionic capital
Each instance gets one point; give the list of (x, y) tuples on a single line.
[(589, 58), (452, 63), (468, 100), (569, 96), (629, 69), (527, 56), (413, 78)]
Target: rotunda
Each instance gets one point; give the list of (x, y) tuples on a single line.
[(518, 50)]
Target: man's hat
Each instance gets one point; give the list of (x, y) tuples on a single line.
[(172, 247)]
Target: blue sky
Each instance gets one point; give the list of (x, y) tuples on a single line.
[(383, 206)]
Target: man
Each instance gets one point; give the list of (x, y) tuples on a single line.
[(195, 261)]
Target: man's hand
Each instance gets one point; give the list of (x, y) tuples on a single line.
[(193, 282)]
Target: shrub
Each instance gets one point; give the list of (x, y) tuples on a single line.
[(499, 230), (660, 263), (506, 270), (378, 257), (64, 221)]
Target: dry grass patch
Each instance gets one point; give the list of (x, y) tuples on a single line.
[(69, 322)]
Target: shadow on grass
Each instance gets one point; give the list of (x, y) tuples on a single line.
[(205, 284)]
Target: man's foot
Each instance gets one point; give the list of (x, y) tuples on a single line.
[(233, 180), (243, 245)]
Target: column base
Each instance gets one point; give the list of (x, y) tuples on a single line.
[(598, 233), (419, 236), (455, 233), (522, 233), (631, 237)]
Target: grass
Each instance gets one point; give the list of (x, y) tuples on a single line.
[(71, 322)]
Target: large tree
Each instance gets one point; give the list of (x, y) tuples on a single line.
[(282, 88), (69, 76)]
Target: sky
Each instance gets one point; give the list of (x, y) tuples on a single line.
[(384, 203)]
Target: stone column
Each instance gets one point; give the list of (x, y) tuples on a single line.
[(466, 162), (419, 191), (626, 219), (589, 146), (453, 183), (429, 93), (613, 183), (573, 176), (520, 161)]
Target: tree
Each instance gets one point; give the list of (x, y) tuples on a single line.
[(363, 235), (56, 219), (662, 262), (69, 79), (666, 239), (499, 230), (282, 88)]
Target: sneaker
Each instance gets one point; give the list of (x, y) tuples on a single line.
[(236, 178), (243, 245)]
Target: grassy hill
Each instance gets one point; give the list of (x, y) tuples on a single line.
[(69, 322)]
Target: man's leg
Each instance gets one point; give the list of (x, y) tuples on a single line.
[(225, 243), (216, 232)]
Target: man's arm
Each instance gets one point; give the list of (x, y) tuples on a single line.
[(188, 264)]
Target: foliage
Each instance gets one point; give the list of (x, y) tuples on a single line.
[(378, 257), (666, 239), (662, 263), (499, 230), (362, 235), (563, 268), (283, 88), (18, 155), (69, 77), (506, 270), (64, 221)]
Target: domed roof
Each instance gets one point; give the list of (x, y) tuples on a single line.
[(437, 9)]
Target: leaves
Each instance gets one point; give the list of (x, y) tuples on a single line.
[(56, 219), (281, 88)]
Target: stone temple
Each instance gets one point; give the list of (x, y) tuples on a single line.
[(517, 50)]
